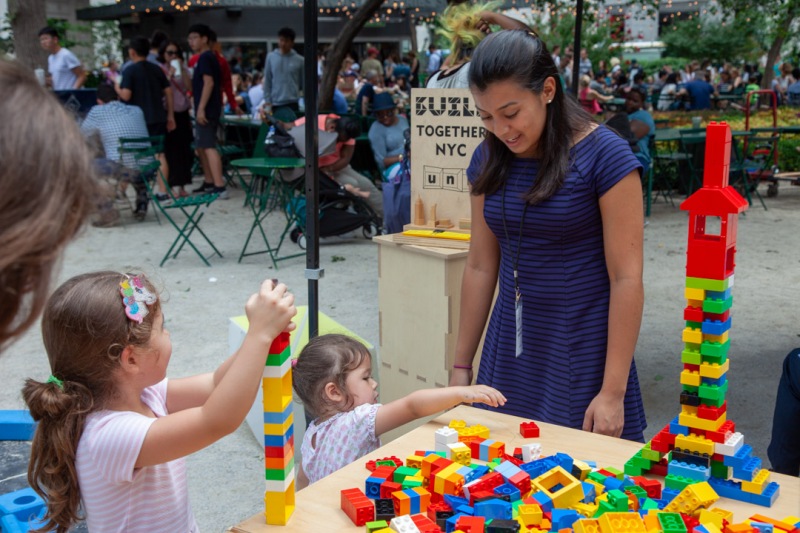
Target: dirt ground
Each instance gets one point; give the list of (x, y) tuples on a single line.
[(226, 479)]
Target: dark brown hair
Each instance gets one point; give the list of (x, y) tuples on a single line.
[(326, 359), (85, 330), (46, 189), (522, 57)]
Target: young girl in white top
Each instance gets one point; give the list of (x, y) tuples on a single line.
[(333, 378), (113, 430)]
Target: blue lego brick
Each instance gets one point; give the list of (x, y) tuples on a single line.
[(544, 501), (11, 524), (627, 482), (538, 467), (455, 501), (689, 470), (465, 510), (592, 464), (700, 528), (450, 525), (372, 487), (507, 469), (16, 425), (719, 382), (748, 469), (738, 460), (715, 327), (668, 494), (483, 449), (719, 295), (279, 440), (612, 483), (23, 504), (564, 461), (762, 527), (727, 488), (279, 418), (491, 509), (469, 474), (589, 492), (478, 471), (661, 502), (767, 497), (507, 492), (676, 429), (563, 518)]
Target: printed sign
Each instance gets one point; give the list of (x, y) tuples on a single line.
[(445, 130)]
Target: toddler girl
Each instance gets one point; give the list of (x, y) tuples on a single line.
[(113, 430), (333, 378)]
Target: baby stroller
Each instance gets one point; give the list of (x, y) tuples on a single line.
[(340, 212)]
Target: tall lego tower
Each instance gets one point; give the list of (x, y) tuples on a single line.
[(278, 433), (701, 444)]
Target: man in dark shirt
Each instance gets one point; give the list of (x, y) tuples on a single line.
[(699, 91), (206, 84), (145, 85)]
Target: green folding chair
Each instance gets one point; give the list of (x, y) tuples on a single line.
[(193, 208)]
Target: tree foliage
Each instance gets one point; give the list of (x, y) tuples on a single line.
[(713, 40)]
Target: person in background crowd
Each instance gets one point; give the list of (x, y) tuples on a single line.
[(348, 85), (589, 98), (366, 94), (669, 92), (434, 60), (66, 71), (557, 55), (642, 124), (225, 73), (283, 78), (207, 110), (585, 64), (178, 142), (403, 68), (414, 63), (372, 63), (145, 85), (699, 92), (256, 93), (157, 40), (387, 133)]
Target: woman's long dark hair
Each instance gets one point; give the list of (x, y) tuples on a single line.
[(522, 57)]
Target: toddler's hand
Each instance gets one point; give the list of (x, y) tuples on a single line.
[(483, 394), (270, 310)]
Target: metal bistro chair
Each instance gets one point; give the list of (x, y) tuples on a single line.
[(693, 144), (657, 181), (192, 207)]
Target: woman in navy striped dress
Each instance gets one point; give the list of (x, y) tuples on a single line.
[(557, 219)]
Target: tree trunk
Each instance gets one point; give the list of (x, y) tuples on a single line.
[(27, 18), (339, 49), (775, 49)]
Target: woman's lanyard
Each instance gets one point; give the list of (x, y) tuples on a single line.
[(515, 266)]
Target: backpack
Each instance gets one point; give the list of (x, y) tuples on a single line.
[(279, 143)]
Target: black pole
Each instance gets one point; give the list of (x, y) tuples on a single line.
[(576, 54), (311, 83)]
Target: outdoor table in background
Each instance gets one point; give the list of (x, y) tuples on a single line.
[(318, 507), (266, 192), (241, 131)]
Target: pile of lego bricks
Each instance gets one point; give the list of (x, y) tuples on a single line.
[(443, 490)]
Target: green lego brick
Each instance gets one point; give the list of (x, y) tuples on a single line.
[(385, 463), (637, 491), (671, 523), (632, 470), (649, 454), (602, 508), (410, 483), (713, 394), (617, 473), (715, 348), (596, 476), (690, 388), (276, 474), (719, 470), (648, 504), (693, 325), (678, 482), (716, 285), (377, 525), (403, 472), (717, 306), (618, 499), (277, 359), (691, 356), (715, 359), (639, 462)]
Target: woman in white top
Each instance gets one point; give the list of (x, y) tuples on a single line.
[(668, 92)]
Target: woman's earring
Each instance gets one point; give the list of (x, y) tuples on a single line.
[(549, 101)]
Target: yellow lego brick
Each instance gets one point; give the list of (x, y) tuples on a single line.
[(722, 339), (279, 429), (276, 404), (760, 480), (569, 490), (279, 506), (695, 443), (710, 517), (457, 424), (586, 526), (282, 385), (689, 409), (599, 489), (414, 461), (621, 523), (529, 514), (482, 431), (585, 509), (714, 371), (694, 294), (692, 498), (724, 513), (791, 519), (583, 468), (696, 422), (693, 335), (690, 378), (713, 528), (651, 523), (694, 303)]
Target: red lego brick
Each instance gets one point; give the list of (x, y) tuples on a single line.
[(475, 446), (470, 524), (652, 487), (708, 412), (371, 465), (693, 314), (383, 472), (425, 524), (717, 316), (690, 521), (691, 368), (512, 459), (437, 507), (357, 506), (388, 487), (659, 468), (280, 343), (529, 430)]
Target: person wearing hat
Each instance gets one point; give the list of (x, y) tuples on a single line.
[(387, 133), (348, 85), (372, 63)]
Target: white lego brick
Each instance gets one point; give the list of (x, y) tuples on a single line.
[(731, 446), (280, 486), (403, 524), (531, 451), (446, 435), (277, 371), (469, 486)]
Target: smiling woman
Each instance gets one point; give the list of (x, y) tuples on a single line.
[(557, 218)]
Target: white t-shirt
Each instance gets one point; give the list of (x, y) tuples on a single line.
[(60, 66), (118, 497)]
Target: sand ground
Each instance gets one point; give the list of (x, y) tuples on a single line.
[(226, 480)]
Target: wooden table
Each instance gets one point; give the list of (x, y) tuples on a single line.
[(318, 506)]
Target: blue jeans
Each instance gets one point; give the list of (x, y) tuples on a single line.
[(784, 449)]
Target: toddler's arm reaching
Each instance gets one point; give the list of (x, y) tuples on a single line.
[(426, 402)]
